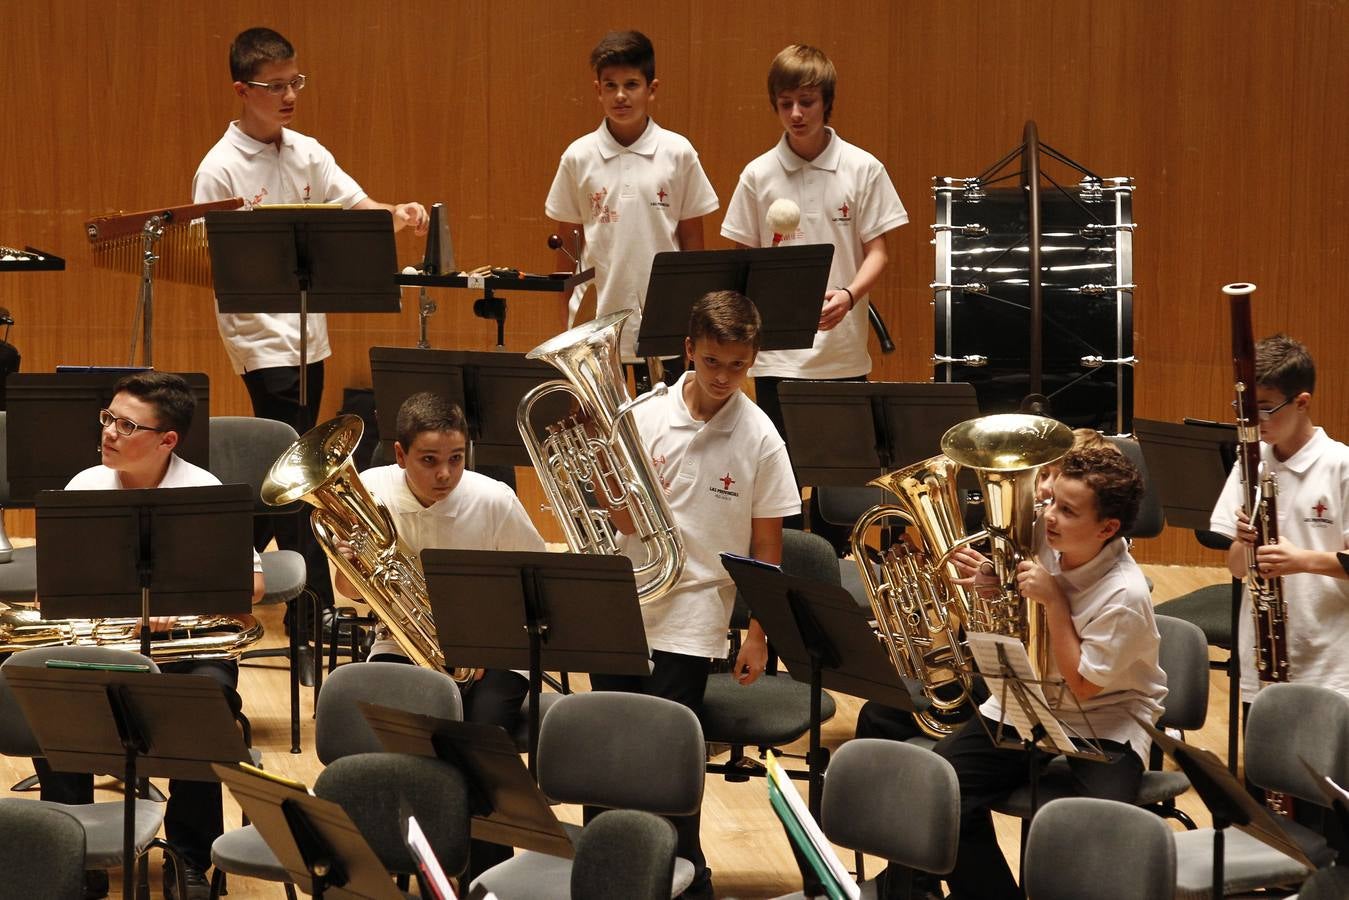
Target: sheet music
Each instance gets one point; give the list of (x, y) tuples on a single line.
[(843, 883), (984, 646)]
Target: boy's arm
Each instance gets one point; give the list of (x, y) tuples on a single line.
[(1284, 558), (404, 214), (838, 302), (689, 233), (1037, 585), (765, 544)]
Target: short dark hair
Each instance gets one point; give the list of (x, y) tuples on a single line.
[(802, 66), (625, 48), (727, 317), (1283, 363), (254, 48), (1116, 482), (169, 394), (424, 412)]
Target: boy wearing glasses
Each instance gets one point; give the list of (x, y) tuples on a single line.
[(1313, 474), (142, 426)]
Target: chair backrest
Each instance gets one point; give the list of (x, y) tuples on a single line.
[(1151, 520), (598, 748), (1326, 884), (1184, 658), (869, 779), (16, 739), (1084, 848), (844, 504), (340, 728), (41, 851), (624, 854), (1292, 722), (242, 451), (807, 555), (374, 787)]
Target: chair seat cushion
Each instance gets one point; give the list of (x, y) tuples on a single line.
[(773, 710), (1057, 782), (1208, 607), (244, 852), (18, 577), (103, 828), (283, 575), (1248, 864), (537, 876)]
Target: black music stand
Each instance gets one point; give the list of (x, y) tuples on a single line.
[(825, 639), (303, 261), (136, 724), (322, 850), (53, 431), (487, 385), (508, 807), (787, 284), (490, 306), (1188, 464), (163, 552), (1227, 800), (579, 613)]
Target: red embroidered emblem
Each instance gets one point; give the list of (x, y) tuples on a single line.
[(1319, 508), (843, 210), (661, 195), (726, 481)]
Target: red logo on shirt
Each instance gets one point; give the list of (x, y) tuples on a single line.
[(257, 198), (599, 210), (844, 214), (661, 195), (1319, 508), (1318, 518), (306, 193), (726, 481), (843, 210)]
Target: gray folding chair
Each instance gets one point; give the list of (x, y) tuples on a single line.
[(613, 750), (624, 854), (1084, 848), (42, 850), (1288, 723), (775, 709), (102, 822), (242, 451), (868, 781), (340, 730)]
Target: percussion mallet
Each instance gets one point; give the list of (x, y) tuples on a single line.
[(784, 216)]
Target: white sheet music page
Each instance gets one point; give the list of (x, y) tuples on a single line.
[(984, 645)]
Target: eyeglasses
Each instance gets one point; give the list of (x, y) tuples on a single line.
[(278, 88), (125, 427), (1266, 414)]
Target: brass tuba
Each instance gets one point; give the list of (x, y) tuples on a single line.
[(921, 612), (601, 451), (193, 637), (319, 470)]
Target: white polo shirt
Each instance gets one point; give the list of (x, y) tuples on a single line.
[(1112, 613), (1312, 503), (718, 476), (846, 199), (301, 171), (481, 513), (629, 200), (180, 474)]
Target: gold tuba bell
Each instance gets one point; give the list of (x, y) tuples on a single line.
[(921, 611), (601, 450), (318, 469)]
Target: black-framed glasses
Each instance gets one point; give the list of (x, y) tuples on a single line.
[(277, 88), (125, 427), (1264, 415)]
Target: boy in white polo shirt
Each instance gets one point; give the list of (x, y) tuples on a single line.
[(632, 188), (1103, 643), (729, 483), (846, 199), (1313, 474)]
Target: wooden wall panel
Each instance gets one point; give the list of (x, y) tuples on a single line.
[(1227, 114)]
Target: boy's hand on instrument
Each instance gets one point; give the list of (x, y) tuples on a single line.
[(751, 661), (162, 624), (344, 548), (1245, 530), (1277, 560), (413, 214), (837, 304), (969, 563), (1036, 584)]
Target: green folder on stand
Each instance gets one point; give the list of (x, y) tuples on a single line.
[(805, 833)]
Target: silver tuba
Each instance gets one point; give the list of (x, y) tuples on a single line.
[(318, 469), (193, 637), (600, 450), (921, 611)]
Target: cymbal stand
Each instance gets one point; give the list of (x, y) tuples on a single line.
[(150, 235)]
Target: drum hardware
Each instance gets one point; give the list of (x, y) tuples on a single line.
[(971, 189), (1099, 230), (1095, 362), (971, 230), (974, 287), (1098, 289), (974, 360)]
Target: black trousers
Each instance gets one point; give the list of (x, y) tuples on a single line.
[(497, 698), (988, 773), (275, 394), (683, 679), (194, 817), (766, 396)]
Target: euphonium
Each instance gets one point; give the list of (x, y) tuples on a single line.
[(318, 469), (599, 449), (193, 637), (919, 612)]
